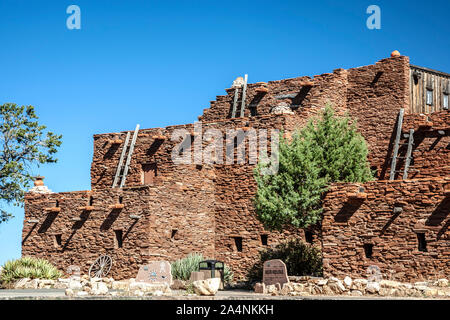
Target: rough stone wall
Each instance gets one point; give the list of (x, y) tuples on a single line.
[(431, 149), (210, 205), (375, 95), (161, 210), (327, 88), (348, 225)]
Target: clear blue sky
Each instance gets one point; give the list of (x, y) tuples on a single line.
[(159, 63)]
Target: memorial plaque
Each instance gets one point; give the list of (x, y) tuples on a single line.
[(275, 272), (155, 272)]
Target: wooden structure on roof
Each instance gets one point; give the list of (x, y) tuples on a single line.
[(429, 90)]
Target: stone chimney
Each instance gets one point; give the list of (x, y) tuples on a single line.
[(39, 186)]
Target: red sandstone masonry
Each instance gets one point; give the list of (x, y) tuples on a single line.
[(162, 209), (211, 204), (348, 225)]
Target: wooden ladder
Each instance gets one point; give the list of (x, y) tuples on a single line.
[(122, 171), (236, 98), (408, 153), (397, 143)]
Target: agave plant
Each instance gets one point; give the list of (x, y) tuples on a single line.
[(28, 267), (182, 268)]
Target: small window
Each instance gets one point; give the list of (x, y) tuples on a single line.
[(173, 234), (91, 200), (57, 241), (368, 250), (57, 203), (445, 101), (422, 242), (150, 172), (120, 199), (308, 236), (429, 97), (119, 239), (264, 238), (253, 111), (238, 243)]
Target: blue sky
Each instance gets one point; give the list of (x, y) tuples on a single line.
[(159, 63)]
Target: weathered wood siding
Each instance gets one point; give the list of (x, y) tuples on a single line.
[(423, 79)]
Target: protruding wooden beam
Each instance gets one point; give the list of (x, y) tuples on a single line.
[(117, 206)]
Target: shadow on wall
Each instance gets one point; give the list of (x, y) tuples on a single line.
[(347, 211)]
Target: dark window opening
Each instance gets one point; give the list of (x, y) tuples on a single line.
[(253, 111), (238, 243), (368, 250), (308, 236), (174, 233), (58, 240), (264, 238), (422, 242), (119, 239), (120, 199), (57, 203), (150, 172), (429, 97), (91, 201), (374, 170)]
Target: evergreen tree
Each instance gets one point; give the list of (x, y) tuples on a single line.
[(329, 149)]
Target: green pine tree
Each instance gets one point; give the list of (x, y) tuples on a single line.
[(329, 149)]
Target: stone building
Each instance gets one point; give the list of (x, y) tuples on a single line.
[(166, 210)]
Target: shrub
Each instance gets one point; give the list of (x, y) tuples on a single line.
[(28, 267), (329, 149), (182, 268), (301, 259)]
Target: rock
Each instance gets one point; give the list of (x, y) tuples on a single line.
[(206, 287), (32, 284), (119, 285), (178, 284), (315, 289), (348, 282), (286, 289), (429, 292), (149, 287), (336, 287), (21, 283), (99, 288), (138, 293), (61, 285), (82, 293), (389, 284), (298, 287), (373, 287), (442, 283), (359, 284), (46, 284), (356, 293), (421, 283), (75, 285), (332, 280), (282, 108), (69, 292), (322, 282), (158, 293), (260, 288)]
